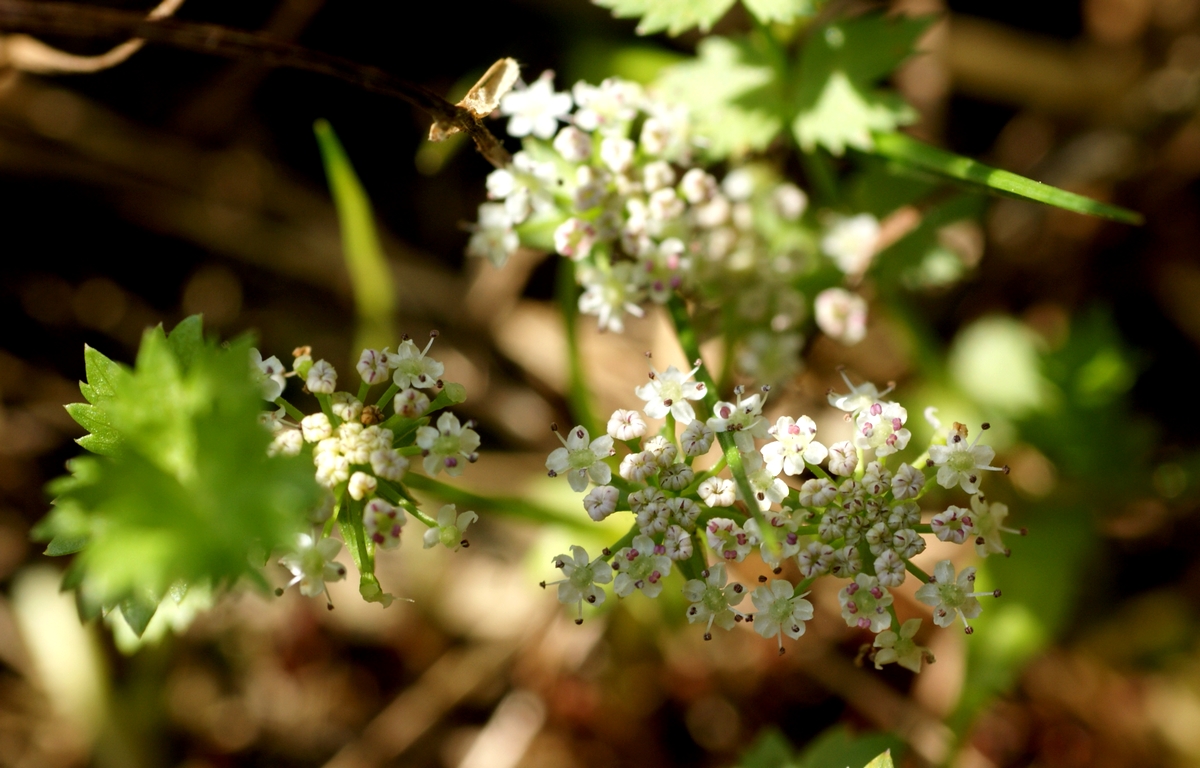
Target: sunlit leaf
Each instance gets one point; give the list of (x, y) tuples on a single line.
[(779, 10), (838, 102), (674, 16), (729, 90), (838, 747)]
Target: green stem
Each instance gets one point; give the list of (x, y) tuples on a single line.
[(327, 409), (578, 396), (518, 508), (292, 410), (620, 543), (363, 389), (915, 571), (387, 396)]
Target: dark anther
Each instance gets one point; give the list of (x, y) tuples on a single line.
[(708, 635), (278, 592), (762, 579), (578, 622)]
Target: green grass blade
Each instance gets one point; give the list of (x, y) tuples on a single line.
[(370, 275), (903, 149)]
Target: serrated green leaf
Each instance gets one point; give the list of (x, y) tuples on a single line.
[(838, 103), (767, 11), (138, 609), (102, 439), (907, 150), (65, 545), (186, 339), (730, 91), (100, 373), (674, 16)]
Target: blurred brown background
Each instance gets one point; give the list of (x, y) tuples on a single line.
[(174, 184)]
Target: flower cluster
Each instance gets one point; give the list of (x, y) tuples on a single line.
[(613, 172), (361, 451), (847, 510)]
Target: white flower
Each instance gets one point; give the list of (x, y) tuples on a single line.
[(744, 419), (413, 368), (817, 492), (952, 598), (677, 477), (493, 237), (287, 443), (609, 296), (581, 577), (322, 378), (863, 396), (953, 525), (900, 648), (780, 611), (696, 439), (574, 238), (581, 459), (653, 517), (601, 502), (573, 144), (450, 528), (815, 559), (316, 427), (728, 539), (669, 392), (383, 523), (697, 186), (270, 373), (662, 449), (959, 463), (907, 482), (617, 153), (712, 600), (638, 467), (789, 201), (536, 109), (843, 459), (371, 366), (794, 445), (642, 566), (906, 514), (361, 485), (626, 425), (333, 469), (889, 567), (683, 511), (768, 488), (881, 427), (607, 107), (846, 562), (851, 241), (443, 446), (865, 603), (657, 174), (841, 315), (987, 523), (388, 464), (678, 543), (717, 492), (346, 406), (908, 543), (411, 403), (312, 564)]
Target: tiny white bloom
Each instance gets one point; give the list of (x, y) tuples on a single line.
[(696, 439), (316, 427), (638, 467), (843, 459), (322, 378), (712, 600), (346, 406), (678, 543), (287, 443), (601, 502), (669, 392), (728, 539), (581, 575), (900, 648), (817, 492), (794, 445), (907, 482), (864, 604), (841, 315), (780, 611), (270, 375), (642, 566), (383, 523), (851, 242), (717, 492), (361, 485), (960, 463), (371, 366), (312, 564), (573, 144), (446, 446), (581, 458), (626, 425), (536, 109), (413, 368), (388, 464), (952, 598), (881, 426), (411, 403), (450, 528)]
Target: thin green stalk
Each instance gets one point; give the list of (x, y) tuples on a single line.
[(578, 396), (500, 505), (915, 571), (387, 396), (292, 410)]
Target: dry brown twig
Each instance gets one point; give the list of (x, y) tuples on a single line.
[(91, 23)]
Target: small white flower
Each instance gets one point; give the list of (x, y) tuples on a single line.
[(889, 567), (669, 392), (536, 109), (316, 427), (626, 425), (617, 153), (678, 543), (953, 525), (959, 463), (780, 611), (987, 523), (493, 237), (907, 482), (865, 603), (388, 464), (443, 447), (332, 469), (876, 480), (346, 406), (712, 600), (794, 446), (371, 367), (322, 378), (697, 186), (573, 144), (817, 492), (601, 502), (450, 529), (846, 562), (642, 566), (653, 518), (728, 539), (287, 443), (841, 315), (843, 459), (581, 459), (663, 451), (657, 175), (815, 559), (574, 239), (383, 523), (413, 368), (717, 492), (312, 564), (768, 488), (743, 418), (908, 543), (607, 107), (906, 514), (610, 296), (860, 397), (270, 373), (411, 403), (900, 648), (851, 242), (361, 485), (881, 427), (696, 439), (677, 477), (581, 577), (638, 467), (789, 201), (952, 598)]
